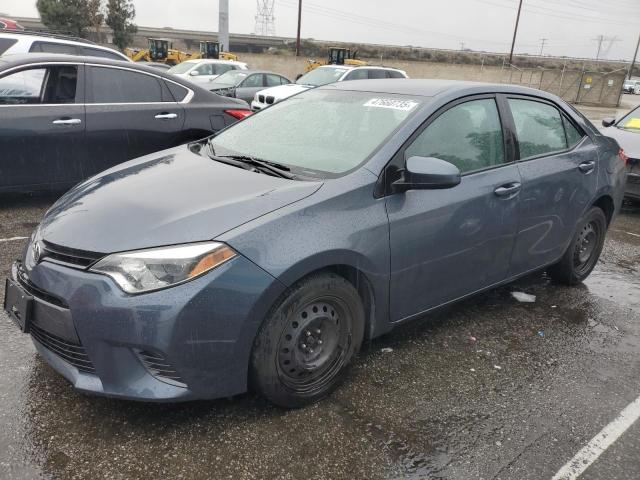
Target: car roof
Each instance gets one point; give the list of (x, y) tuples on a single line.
[(249, 72), (432, 88), (211, 60), (29, 58), (354, 67)]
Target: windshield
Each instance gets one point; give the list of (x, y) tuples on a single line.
[(183, 67), (321, 76), (230, 78), (631, 121), (319, 132)]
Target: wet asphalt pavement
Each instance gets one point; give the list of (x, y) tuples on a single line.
[(490, 389)]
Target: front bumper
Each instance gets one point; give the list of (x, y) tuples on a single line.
[(191, 341)]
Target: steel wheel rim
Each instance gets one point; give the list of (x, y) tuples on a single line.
[(586, 246), (314, 344)]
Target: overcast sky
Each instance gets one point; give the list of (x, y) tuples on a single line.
[(569, 26)]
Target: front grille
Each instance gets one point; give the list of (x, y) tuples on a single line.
[(270, 99), (31, 289), (261, 98), (71, 257), (71, 353), (158, 366)]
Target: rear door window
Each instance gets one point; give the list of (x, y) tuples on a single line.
[(468, 135), (538, 126), (394, 74), (274, 80), (6, 43), (49, 47), (358, 74), (377, 73), (115, 85), (253, 81)]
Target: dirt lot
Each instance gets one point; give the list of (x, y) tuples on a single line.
[(490, 388)]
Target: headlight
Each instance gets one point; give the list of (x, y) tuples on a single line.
[(155, 268)]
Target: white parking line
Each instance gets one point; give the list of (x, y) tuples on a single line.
[(12, 239), (598, 444), (628, 233)]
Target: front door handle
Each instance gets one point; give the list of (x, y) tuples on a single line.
[(67, 121), (508, 189), (587, 167), (166, 116)]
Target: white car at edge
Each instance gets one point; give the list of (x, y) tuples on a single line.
[(322, 76), (202, 71)]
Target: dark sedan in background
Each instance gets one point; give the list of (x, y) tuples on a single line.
[(66, 118), (627, 132), (244, 84)]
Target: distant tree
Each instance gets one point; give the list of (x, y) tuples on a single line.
[(96, 16), (120, 15), (67, 16)]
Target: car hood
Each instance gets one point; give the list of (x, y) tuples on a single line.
[(628, 140), (284, 91), (170, 197)]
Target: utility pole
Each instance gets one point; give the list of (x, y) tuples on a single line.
[(223, 25), (299, 24), (543, 40), (515, 32), (599, 39), (633, 62)]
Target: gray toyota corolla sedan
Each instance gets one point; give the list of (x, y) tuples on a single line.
[(265, 255)]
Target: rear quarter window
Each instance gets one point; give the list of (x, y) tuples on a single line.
[(48, 47), (178, 92), (96, 52), (6, 44)]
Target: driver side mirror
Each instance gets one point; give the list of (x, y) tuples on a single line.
[(607, 122), (194, 73), (426, 173)]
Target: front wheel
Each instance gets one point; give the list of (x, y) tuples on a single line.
[(584, 251), (307, 341)]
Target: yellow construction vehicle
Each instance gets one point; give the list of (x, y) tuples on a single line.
[(211, 49), (160, 50), (337, 56)]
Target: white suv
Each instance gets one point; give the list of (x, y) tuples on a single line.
[(203, 71), (322, 76), (34, 42)]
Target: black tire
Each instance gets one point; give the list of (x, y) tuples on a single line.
[(307, 341), (584, 250)]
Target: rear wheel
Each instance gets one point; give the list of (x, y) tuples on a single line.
[(307, 341), (584, 251)]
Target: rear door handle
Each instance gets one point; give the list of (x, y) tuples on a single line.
[(67, 121), (166, 116), (587, 167), (508, 189)]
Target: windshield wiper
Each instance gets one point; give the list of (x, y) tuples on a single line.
[(275, 168)]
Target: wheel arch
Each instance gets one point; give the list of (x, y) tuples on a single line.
[(606, 204)]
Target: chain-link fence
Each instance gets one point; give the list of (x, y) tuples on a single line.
[(577, 86)]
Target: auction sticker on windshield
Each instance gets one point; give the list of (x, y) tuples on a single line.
[(404, 105)]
